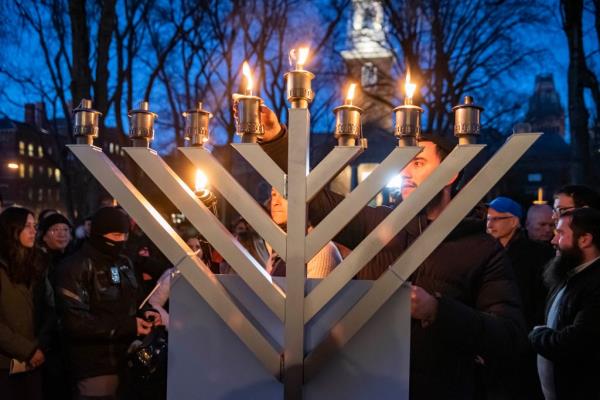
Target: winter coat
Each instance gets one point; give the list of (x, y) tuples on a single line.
[(573, 346), (27, 318), (479, 313), (98, 299)]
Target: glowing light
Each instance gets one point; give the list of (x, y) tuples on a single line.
[(351, 92), (299, 57), (248, 75), (395, 182), (13, 165), (302, 56), (408, 86), (201, 181)]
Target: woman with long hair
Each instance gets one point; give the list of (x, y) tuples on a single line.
[(26, 307)]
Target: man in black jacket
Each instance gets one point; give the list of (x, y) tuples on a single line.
[(99, 297), (464, 302), (567, 345)]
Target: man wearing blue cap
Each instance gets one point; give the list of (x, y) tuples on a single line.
[(528, 259), (503, 219)]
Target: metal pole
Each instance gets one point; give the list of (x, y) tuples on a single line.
[(298, 151)]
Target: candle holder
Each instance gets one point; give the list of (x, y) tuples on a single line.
[(141, 125), (299, 89), (466, 121), (208, 199), (247, 121), (196, 125), (85, 125), (408, 123), (348, 126)]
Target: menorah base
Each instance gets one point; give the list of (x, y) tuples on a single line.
[(208, 361)]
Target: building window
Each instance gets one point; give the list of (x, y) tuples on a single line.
[(30, 170), (30, 150), (49, 173), (40, 152), (41, 170), (57, 174), (40, 194), (49, 195), (30, 194), (21, 148), (537, 177), (50, 150), (111, 148), (21, 171), (57, 195), (368, 75)]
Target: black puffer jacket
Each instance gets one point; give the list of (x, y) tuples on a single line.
[(479, 314), (98, 303)]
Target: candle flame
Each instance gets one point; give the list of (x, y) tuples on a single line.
[(351, 91), (201, 181), (298, 57), (409, 87), (302, 56), (248, 75)]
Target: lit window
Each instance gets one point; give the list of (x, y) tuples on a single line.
[(22, 148), (30, 150), (57, 174), (111, 148), (30, 171), (21, 171), (49, 173), (40, 152)]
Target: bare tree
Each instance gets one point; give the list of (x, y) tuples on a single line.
[(455, 48)]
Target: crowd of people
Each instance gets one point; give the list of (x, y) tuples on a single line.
[(506, 307)]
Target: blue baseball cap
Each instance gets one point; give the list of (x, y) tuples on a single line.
[(506, 205)]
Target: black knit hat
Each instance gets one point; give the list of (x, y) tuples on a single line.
[(50, 220), (108, 220)]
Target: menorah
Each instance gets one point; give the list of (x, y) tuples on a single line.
[(293, 334)]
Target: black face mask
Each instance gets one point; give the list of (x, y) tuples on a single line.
[(107, 246)]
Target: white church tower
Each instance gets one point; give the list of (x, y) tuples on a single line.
[(369, 62)]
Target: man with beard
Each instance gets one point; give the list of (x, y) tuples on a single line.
[(567, 346), (464, 302)]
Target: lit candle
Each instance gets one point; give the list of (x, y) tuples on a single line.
[(408, 116), (409, 89), (348, 127), (540, 198), (202, 192), (247, 119), (299, 89), (248, 75)]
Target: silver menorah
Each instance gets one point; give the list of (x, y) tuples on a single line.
[(293, 335)]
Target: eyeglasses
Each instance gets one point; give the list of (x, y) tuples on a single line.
[(56, 231), (561, 210), (496, 219)]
